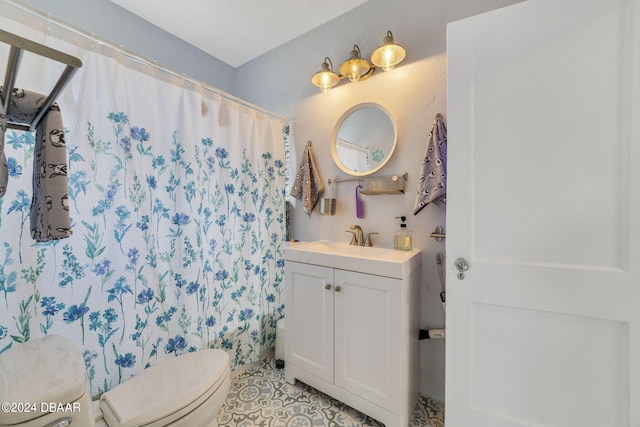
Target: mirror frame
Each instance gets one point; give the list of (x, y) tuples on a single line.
[(334, 152)]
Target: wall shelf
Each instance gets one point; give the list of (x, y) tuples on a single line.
[(376, 185)]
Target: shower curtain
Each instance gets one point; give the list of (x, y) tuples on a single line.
[(178, 217)]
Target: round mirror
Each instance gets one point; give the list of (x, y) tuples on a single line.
[(364, 139)]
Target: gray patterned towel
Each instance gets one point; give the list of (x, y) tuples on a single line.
[(50, 201), (308, 184), (432, 185), (4, 169)]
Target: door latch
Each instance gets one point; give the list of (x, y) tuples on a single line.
[(462, 265)]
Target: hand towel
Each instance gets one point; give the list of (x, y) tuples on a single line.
[(432, 185), (308, 184), (50, 200)]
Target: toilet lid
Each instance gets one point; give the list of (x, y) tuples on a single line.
[(48, 369), (165, 388)]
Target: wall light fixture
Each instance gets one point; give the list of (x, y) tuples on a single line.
[(356, 68)]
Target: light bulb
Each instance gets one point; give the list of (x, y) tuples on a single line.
[(325, 78), (325, 82), (354, 67), (389, 54), (354, 72), (389, 58)]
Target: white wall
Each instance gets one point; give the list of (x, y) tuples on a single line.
[(414, 93), (111, 22), (280, 81)]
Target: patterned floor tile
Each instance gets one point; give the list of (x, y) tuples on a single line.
[(260, 397)]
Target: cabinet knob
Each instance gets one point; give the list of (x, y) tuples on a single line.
[(338, 288), (327, 286)]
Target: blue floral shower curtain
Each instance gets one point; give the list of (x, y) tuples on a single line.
[(177, 208)]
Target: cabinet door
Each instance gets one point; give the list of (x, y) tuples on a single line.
[(367, 337), (309, 318)]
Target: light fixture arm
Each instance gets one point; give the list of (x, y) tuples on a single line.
[(355, 53), (389, 38), (329, 66)]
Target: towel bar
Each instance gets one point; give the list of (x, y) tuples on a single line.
[(18, 44), (389, 184)]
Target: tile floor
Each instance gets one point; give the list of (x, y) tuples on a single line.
[(260, 396)]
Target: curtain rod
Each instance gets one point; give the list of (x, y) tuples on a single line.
[(136, 57)]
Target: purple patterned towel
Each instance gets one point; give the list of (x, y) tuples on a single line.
[(4, 169)]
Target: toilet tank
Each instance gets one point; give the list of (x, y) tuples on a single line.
[(44, 380)]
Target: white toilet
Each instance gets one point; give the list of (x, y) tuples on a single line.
[(43, 384)]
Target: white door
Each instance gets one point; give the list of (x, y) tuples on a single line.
[(308, 340), (544, 204), (368, 355)]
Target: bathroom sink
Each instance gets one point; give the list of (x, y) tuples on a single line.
[(372, 260)]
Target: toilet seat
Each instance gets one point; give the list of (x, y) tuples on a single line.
[(169, 391), (183, 391), (56, 373)]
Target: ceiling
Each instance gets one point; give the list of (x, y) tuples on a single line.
[(236, 31)]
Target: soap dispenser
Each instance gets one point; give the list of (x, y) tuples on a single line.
[(402, 239)]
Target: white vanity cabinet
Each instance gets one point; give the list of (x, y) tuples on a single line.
[(352, 334)]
